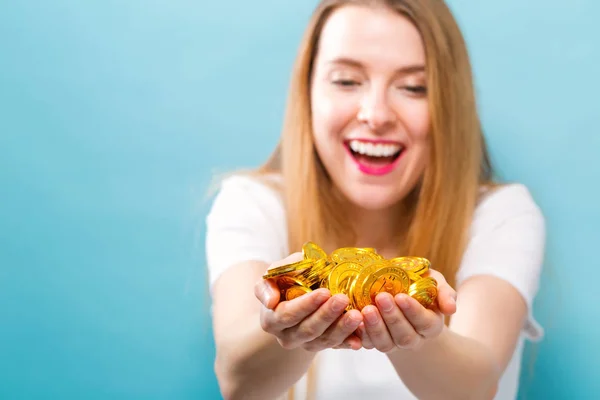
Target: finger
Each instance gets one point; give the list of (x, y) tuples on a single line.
[(290, 313), (426, 323), (376, 329), (267, 292), (446, 297), (338, 333), (316, 324), (401, 330), (351, 342), (361, 333)]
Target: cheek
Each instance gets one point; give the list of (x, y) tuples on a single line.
[(416, 119), (331, 115)]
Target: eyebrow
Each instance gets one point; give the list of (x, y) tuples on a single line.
[(407, 69)]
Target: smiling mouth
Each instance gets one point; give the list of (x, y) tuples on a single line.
[(375, 158)]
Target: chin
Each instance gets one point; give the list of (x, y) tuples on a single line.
[(372, 198)]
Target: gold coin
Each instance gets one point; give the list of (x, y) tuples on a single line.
[(416, 265), (288, 268), (387, 279), (355, 254), (424, 283), (323, 267), (312, 251), (342, 276), (356, 286), (424, 291), (317, 273), (352, 295), (285, 282), (412, 276), (294, 292), (369, 249), (376, 278)]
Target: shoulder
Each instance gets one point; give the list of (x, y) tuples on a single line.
[(503, 203), (246, 222), (243, 192), (256, 185)]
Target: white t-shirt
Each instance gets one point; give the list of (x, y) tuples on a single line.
[(247, 222)]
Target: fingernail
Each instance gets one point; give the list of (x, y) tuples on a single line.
[(385, 303), (452, 301), (352, 322), (320, 298), (404, 303), (266, 296), (371, 317), (338, 305)]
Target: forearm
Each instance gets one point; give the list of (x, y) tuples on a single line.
[(250, 363), (450, 366)]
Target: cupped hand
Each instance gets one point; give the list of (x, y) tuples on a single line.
[(314, 321), (401, 322)]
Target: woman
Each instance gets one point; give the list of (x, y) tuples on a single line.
[(381, 148)]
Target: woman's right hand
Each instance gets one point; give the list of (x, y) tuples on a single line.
[(314, 321)]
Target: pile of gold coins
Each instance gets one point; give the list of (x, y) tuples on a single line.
[(359, 273)]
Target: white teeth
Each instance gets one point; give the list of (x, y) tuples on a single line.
[(374, 149)]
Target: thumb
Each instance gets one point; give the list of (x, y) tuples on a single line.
[(267, 292), (446, 297)]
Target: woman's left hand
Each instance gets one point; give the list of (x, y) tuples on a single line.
[(401, 322)]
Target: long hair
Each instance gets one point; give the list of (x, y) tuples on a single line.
[(441, 207), (459, 165)]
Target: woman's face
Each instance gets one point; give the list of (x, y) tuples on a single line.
[(369, 105)]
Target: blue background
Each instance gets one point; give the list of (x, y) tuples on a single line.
[(115, 115)]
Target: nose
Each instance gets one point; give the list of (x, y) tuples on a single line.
[(376, 111)]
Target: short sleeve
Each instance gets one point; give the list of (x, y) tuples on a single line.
[(508, 241), (245, 223)]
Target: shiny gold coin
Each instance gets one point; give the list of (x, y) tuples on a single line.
[(312, 251), (424, 291), (423, 283), (352, 295), (355, 254), (310, 279), (416, 265), (294, 292), (286, 282), (364, 281), (342, 276), (413, 277), (317, 272), (387, 279), (369, 249), (323, 267), (288, 268), (356, 288)]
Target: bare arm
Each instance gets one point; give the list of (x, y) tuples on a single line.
[(264, 346), (250, 363), (467, 359)]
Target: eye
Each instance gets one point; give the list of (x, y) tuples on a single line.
[(416, 89), (345, 83)]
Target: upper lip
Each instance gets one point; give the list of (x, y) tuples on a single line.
[(376, 141)]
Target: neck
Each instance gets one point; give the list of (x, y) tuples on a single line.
[(380, 229)]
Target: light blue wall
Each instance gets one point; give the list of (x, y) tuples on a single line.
[(114, 115)]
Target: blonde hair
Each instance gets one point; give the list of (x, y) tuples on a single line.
[(441, 207)]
